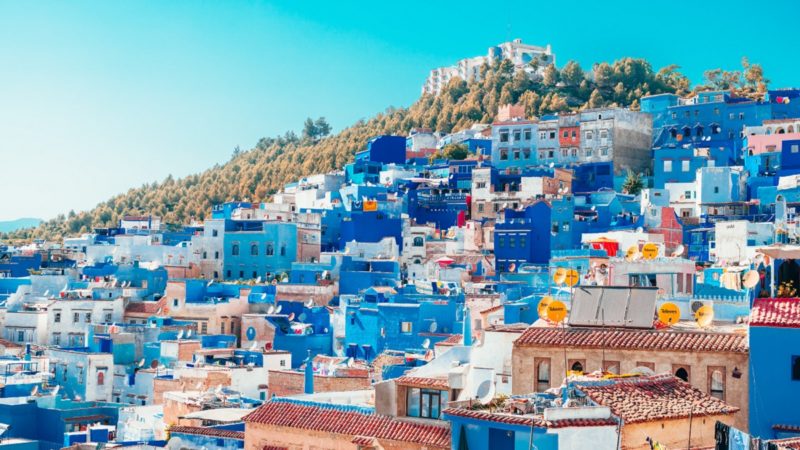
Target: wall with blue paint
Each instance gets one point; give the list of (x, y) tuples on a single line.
[(773, 393), (270, 249)]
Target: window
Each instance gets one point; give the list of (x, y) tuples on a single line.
[(516, 154), (604, 151), (588, 135), (542, 368), (649, 365), (204, 327), (667, 165), (480, 207), (283, 250), (241, 274), (56, 338), (716, 382), (107, 318), (551, 154), (253, 249), (283, 363), (681, 372), (741, 116), (565, 134), (716, 111), (425, 403), (405, 327), (222, 328), (673, 132), (542, 135), (419, 241), (503, 154), (255, 274), (685, 165), (522, 241), (603, 134), (205, 254), (101, 378), (611, 367), (216, 255), (588, 153), (270, 250), (574, 134), (57, 317), (227, 273), (512, 241), (20, 336), (795, 148), (517, 135), (503, 135), (716, 189), (235, 250), (528, 134), (76, 318), (175, 302), (674, 115), (795, 368), (552, 135), (577, 365)]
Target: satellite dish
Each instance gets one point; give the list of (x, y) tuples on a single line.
[(543, 304), (258, 280), (669, 314), (278, 309), (704, 316), (751, 279), (35, 390), (594, 207), (485, 391), (560, 275), (141, 363), (310, 303), (271, 309), (696, 305), (650, 251), (302, 317), (264, 296), (426, 344), (210, 282), (47, 292), (349, 362), (571, 277), (188, 334), (512, 267), (641, 370), (556, 311), (678, 251), (639, 229), (180, 335), (254, 346), (56, 389), (433, 327), (175, 443), (552, 164), (291, 317)]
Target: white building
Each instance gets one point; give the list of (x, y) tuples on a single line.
[(469, 69), (68, 320)]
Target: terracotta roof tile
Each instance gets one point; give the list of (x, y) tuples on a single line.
[(207, 431), (527, 421), (792, 443), (776, 312), (784, 427), (630, 339), (145, 307), (423, 382), (492, 309), (347, 421), (454, 339), (659, 397)]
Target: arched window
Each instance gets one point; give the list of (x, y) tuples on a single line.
[(717, 388), (790, 129), (687, 131), (780, 131), (577, 367), (254, 250), (682, 374), (673, 132), (235, 250), (418, 241), (101, 378), (270, 250), (698, 131), (543, 376)]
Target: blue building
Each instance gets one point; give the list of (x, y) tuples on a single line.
[(384, 150), (774, 365), (255, 249), (514, 144)]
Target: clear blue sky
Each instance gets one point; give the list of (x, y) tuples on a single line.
[(97, 97)]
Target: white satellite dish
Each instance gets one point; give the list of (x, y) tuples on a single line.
[(278, 309), (258, 280), (254, 346), (271, 309), (485, 391), (141, 363), (35, 390), (188, 333), (552, 164), (594, 207), (210, 282), (180, 335), (433, 327), (264, 296), (678, 251), (310, 303), (55, 391), (426, 344), (47, 292), (639, 229)]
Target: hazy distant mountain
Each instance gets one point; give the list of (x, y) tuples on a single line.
[(7, 226)]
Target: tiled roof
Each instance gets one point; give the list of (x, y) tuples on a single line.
[(783, 427), (454, 339), (776, 312), (659, 397), (792, 443), (423, 382), (347, 421), (527, 421), (630, 339), (207, 431), (146, 307), (492, 309)]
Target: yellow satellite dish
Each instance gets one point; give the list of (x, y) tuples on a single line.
[(543, 304), (560, 275), (669, 313), (704, 316), (556, 311), (650, 250), (751, 279), (631, 253), (572, 277)]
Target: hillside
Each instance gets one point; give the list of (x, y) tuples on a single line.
[(258, 173)]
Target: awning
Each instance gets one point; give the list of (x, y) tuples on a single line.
[(781, 251)]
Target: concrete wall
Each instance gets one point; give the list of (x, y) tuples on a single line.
[(283, 383)]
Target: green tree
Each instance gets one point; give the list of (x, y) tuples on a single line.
[(633, 183), (550, 76), (455, 152)]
